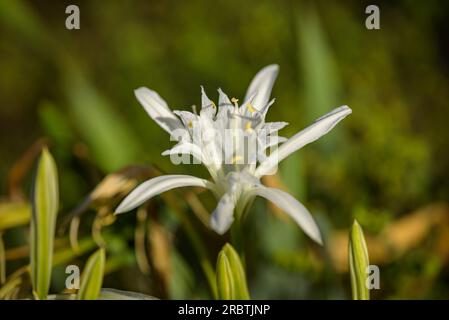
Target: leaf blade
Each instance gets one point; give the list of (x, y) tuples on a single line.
[(45, 202), (92, 277), (358, 262), (231, 279)]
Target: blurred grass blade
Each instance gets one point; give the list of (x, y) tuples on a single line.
[(44, 210), (110, 138), (2, 260), (20, 17), (358, 263), (231, 280), (92, 277), (318, 69), (14, 214)]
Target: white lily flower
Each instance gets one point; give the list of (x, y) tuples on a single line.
[(231, 141)]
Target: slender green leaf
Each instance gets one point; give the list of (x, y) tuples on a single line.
[(358, 263), (45, 201), (224, 278), (231, 280), (92, 277), (318, 70), (110, 138)]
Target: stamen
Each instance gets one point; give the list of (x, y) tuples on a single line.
[(235, 159), (250, 107), (234, 101)]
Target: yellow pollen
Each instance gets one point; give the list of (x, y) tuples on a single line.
[(250, 107), (235, 159), (248, 126), (190, 125), (234, 100)]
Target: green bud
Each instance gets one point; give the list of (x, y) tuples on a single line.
[(231, 280), (92, 277), (358, 263), (45, 202)]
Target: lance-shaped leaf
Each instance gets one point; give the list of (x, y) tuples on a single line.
[(231, 280), (358, 263), (92, 276), (45, 201), (225, 284)]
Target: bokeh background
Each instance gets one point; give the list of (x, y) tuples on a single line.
[(386, 165)]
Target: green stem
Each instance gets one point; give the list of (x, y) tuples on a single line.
[(237, 229), (236, 237)]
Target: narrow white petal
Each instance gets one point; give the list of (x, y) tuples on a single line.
[(223, 216), (270, 141), (270, 127), (223, 99), (261, 85), (224, 108), (157, 108), (208, 107), (265, 109), (187, 117), (319, 128), (185, 148), (155, 186), (293, 208)]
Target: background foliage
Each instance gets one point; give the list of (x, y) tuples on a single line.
[(386, 165)]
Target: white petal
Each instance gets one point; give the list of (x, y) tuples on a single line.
[(223, 216), (209, 139), (185, 148), (261, 85), (223, 99), (267, 107), (224, 108), (270, 127), (293, 208), (155, 186), (319, 128), (269, 141), (208, 107), (157, 108)]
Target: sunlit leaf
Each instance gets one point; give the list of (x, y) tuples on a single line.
[(45, 201), (92, 276), (225, 283), (10, 288), (358, 263), (14, 214), (231, 280)]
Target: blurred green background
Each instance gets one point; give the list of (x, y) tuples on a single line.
[(386, 165)]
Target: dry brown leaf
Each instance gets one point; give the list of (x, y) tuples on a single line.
[(160, 248)]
